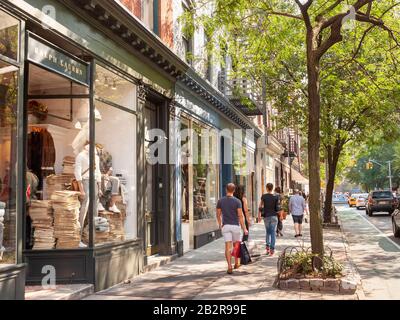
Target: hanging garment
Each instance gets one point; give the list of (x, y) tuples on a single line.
[(41, 155)]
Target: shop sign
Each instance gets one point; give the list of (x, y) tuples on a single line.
[(57, 61)]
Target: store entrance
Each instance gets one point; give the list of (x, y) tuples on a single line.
[(154, 186)]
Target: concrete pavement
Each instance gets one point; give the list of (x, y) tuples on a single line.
[(374, 252), (201, 274)]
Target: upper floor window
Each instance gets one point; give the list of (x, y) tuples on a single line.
[(148, 16)]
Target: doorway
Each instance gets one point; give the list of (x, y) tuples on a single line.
[(156, 197)]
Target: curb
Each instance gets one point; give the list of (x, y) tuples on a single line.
[(360, 290)]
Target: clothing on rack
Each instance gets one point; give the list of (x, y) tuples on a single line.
[(41, 153)]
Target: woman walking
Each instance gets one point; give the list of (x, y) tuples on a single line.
[(280, 214), (239, 194)]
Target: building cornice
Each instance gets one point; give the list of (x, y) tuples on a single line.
[(112, 17)]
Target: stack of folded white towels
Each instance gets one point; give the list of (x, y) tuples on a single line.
[(101, 224)]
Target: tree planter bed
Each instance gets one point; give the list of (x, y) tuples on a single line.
[(297, 271)]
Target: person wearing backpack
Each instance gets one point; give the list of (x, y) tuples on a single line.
[(269, 209)]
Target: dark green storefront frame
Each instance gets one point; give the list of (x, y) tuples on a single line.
[(105, 265)]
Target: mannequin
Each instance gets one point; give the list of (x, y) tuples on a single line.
[(82, 176), (110, 182)]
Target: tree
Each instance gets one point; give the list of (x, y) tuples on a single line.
[(263, 37), (381, 151)]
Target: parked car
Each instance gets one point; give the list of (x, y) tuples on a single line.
[(396, 223), (339, 199), (361, 200), (381, 201), (353, 199)]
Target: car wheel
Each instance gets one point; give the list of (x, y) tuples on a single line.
[(396, 229), (370, 213), (358, 208)]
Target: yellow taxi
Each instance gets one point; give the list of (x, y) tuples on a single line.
[(353, 200)]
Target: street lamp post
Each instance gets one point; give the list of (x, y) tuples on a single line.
[(390, 170)]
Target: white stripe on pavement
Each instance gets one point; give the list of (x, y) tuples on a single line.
[(380, 231)]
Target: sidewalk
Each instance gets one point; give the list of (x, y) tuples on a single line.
[(201, 274)]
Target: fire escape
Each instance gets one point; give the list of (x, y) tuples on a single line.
[(244, 94)]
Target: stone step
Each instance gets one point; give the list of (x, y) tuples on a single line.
[(60, 292), (154, 262)]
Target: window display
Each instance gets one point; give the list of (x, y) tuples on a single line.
[(184, 176), (205, 173), (57, 153), (116, 149), (8, 114)]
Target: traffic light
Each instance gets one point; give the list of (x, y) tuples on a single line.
[(369, 165)]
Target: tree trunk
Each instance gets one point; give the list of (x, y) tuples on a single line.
[(314, 105), (333, 159)]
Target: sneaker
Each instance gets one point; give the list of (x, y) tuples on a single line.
[(297, 235), (100, 207), (267, 251), (271, 252), (114, 209)]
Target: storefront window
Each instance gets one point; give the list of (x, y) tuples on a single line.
[(115, 89), (205, 173), (185, 154), (9, 36), (57, 138), (116, 152), (8, 134)]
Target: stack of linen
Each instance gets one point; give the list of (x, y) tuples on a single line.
[(67, 228), (41, 213)]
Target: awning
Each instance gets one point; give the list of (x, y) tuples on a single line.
[(298, 177)]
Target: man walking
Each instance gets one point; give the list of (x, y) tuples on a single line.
[(297, 206), (230, 218), (269, 209)]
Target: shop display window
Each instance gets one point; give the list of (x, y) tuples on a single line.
[(115, 217), (8, 169), (57, 135), (205, 173), (184, 176), (114, 89)]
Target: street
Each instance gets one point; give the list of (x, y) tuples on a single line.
[(374, 250)]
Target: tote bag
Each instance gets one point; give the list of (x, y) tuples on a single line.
[(244, 254)]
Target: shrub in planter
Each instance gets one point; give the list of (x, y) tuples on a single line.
[(300, 264)]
